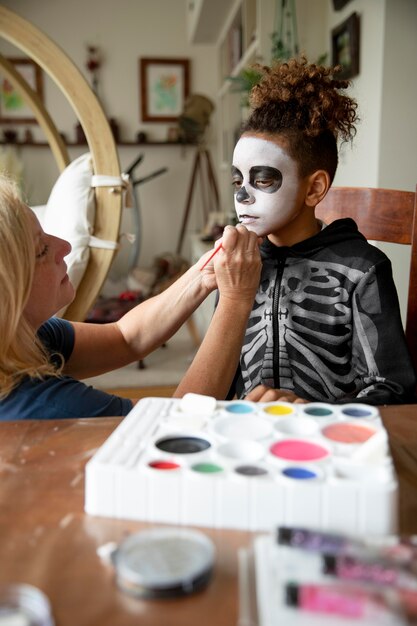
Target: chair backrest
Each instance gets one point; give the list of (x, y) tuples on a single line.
[(382, 215)]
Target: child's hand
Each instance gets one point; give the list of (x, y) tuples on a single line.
[(263, 393)]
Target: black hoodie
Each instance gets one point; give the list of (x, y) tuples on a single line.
[(326, 323)]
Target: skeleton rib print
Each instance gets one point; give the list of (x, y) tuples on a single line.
[(316, 303)]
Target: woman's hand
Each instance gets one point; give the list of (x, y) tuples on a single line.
[(263, 393), (235, 268)]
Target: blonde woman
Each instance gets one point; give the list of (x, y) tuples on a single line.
[(43, 358)]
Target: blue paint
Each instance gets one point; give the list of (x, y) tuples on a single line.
[(300, 473), (354, 412), (239, 408)]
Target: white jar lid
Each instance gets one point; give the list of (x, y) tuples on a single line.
[(24, 605)]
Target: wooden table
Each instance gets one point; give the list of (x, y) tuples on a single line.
[(47, 540)]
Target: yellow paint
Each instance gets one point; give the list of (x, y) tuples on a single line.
[(279, 409)]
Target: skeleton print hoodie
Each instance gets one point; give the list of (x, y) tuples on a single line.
[(326, 323)]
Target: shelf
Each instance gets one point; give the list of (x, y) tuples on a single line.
[(243, 40), (205, 18), (248, 58), (70, 144)]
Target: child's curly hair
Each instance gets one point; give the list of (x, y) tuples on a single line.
[(302, 103)]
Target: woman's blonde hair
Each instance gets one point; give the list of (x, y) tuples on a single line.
[(21, 352)]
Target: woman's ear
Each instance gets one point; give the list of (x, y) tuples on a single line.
[(318, 185)]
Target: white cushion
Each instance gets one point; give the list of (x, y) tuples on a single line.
[(70, 213), (39, 211)]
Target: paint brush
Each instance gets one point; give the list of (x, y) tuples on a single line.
[(211, 256)]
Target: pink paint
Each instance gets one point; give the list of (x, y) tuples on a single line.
[(348, 432), (298, 450), (353, 603)]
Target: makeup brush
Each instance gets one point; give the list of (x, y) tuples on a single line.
[(211, 256)]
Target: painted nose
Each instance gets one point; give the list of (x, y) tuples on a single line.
[(243, 196)]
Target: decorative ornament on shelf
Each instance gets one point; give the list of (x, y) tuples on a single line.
[(285, 36), (194, 119), (93, 65), (284, 47)]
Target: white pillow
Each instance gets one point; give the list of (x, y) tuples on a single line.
[(70, 213), (39, 210)]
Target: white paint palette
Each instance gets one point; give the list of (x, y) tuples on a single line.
[(250, 466)]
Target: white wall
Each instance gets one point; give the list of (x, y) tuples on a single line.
[(384, 152), (398, 128), (359, 160), (397, 159)]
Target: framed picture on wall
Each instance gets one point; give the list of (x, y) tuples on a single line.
[(339, 4), (164, 86), (345, 46), (13, 108)]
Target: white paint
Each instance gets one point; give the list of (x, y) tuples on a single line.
[(266, 213), (197, 404)]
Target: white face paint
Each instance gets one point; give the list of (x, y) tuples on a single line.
[(266, 184)]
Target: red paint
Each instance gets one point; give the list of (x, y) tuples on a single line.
[(164, 465)]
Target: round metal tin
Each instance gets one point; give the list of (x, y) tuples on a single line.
[(164, 562)]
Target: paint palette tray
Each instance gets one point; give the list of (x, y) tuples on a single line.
[(250, 466)]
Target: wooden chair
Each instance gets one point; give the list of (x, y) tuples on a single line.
[(384, 215)]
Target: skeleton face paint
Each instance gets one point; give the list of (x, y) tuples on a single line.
[(266, 184)]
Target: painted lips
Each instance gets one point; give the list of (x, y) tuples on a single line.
[(247, 219)]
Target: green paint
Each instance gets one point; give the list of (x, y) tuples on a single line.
[(207, 468)]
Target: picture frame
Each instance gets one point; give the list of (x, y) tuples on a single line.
[(339, 4), (13, 109), (345, 46), (164, 87)]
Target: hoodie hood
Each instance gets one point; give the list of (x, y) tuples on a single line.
[(342, 230)]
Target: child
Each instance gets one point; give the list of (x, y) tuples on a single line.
[(325, 325)]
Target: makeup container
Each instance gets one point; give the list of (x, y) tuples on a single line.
[(164, 563), (378, 571), (321, 599), (354, 603), (247, 465), (24, 605), (315, 541)]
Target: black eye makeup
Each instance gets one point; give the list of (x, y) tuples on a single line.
[(264, 178)]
